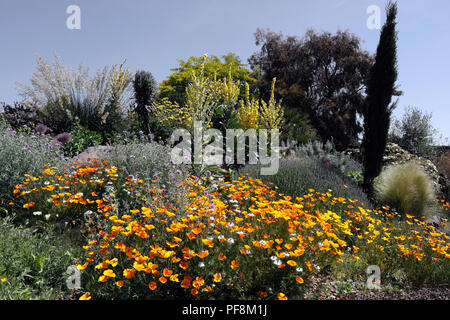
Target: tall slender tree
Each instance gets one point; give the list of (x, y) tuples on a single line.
[(380, 89), (145, 88)]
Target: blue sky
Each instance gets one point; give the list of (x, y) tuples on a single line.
[(152, 35)]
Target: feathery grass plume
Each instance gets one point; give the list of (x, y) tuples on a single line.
[(405, 187), (62, 96)]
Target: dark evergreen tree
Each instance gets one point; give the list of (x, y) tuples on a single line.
[(145, 88), (380, 89)]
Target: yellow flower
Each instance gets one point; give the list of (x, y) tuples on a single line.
[(112, 262), (86, 296), (217, 277), (281, 296), (109, 273), (82, 266), (299, 279), (3, 279), (152, 285), (128, 273), (292, 263)]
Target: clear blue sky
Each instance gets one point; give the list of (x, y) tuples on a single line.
[(153, 34)]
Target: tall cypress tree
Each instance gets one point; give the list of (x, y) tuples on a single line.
[(380, 89), (144, 93)]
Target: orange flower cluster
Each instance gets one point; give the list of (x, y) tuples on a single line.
[(210, 236)]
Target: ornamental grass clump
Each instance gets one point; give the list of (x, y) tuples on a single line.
[(405, 187)]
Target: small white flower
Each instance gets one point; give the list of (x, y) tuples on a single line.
[(277, 262), (37, 213), (299, 269), (230, 240), (201, 264), (262, 242), (47, 216)]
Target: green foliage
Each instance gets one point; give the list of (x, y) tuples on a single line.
[(298, 127), (34, 264), (174, 87), (405, 187), (356, 176), (23, 154), (414, 132), (145, 88), (208, 99), (82, 138), (320, 75), (380, 89)]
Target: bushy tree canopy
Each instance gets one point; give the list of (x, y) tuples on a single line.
[(414, 131), (320, 75), (174, 87)]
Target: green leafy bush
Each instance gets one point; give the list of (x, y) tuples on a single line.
[(405, 187), (82, 138), (34, 265), (414, 132)]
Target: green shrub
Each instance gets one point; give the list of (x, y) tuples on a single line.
[(23, 154), (405, 187), (414, 132), (34, 265), (145, 88), (82, 138)]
